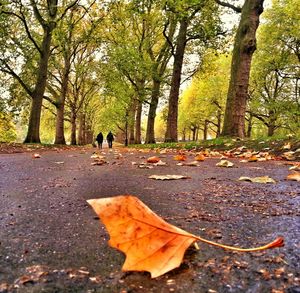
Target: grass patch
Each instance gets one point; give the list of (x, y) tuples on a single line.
[(225, 143)]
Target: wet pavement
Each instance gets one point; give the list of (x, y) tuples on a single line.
[(51, 240)]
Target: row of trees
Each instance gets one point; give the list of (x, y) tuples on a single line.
[(101, 65), (272, 101)]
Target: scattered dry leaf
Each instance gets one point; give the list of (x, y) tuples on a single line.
[(200, 158), (191, 164), (153, 159), (294, 176), (179, 158), (98, 162), (160, 163), (225, 163), (36, 156), (253, 159), (168, 177), (290, 156), (295, 167), (287, 146), (262, 179)]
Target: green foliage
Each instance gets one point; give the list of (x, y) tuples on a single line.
[(204, 99), (274, 90), (7, 128)]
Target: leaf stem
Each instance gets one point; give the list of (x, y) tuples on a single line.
[(278, 242)]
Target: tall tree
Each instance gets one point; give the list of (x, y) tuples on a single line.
[(38, 21), (197, 20), (244, 47)]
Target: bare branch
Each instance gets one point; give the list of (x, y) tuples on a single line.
[(231, 6)]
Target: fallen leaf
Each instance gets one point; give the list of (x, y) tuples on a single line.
[(200, 158), (153, 160), (98, 163), (191, 164), (168, 177), (59, 163), (262, 179), (150, 243), (295, 167), (253, 159), (294, 176), (160, 163), (287, 146), (290, 156), (179, 158), (36, 156), (225, 163), (144, 166)]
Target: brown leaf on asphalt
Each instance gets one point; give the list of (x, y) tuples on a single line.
[(150, 243), (293, 176), (179, 157), (153, 159), (98, 162), (168, 177), (200, 158), (36, 156), (253, 159), (262, 179), (160, 163), (225, 163), (190, 164)]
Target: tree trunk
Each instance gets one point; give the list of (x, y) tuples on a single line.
[(33, 132), (81, 131), (249, 129), (219, 120), (244, 47), (59, 126), (138, 122), (60, 130), (132, 122), (272, 123), (194, 130), (205, 129), (150, 134), (73, 129), (171, 132)]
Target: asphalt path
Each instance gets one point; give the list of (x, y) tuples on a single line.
[(52, 241)]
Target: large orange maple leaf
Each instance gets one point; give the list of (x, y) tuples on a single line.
[(150, 243)]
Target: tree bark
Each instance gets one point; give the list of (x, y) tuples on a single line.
[(33, 132), (150, 133), (171, 132), (138, 121), (205, 129), (249, 129), (244, 47), (60, 131), (219, 120), (59, 126), (81, 131), (73, 129)]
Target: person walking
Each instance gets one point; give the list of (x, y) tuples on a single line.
[(99, 140), (110, 139)]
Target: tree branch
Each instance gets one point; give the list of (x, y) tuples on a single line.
[(228, 5)]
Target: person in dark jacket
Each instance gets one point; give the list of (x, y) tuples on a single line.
[(99, 140), (109, 139)]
